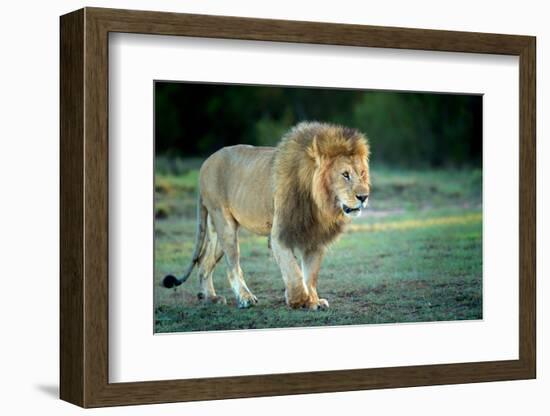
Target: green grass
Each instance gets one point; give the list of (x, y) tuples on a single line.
[(416, 256)]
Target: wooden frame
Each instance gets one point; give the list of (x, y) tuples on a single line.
[(84, 207)]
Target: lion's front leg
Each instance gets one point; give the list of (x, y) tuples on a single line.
[(311, 265), (296, 293)]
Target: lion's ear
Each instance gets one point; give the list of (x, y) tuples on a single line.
[(313, 151)]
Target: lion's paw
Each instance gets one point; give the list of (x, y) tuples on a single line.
[(318, 304), (218, 299), (212, 299), (297, 301), (246, 301)]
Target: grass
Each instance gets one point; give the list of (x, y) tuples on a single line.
[(416, 256)]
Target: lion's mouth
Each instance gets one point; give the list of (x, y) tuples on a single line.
[(351, 211)]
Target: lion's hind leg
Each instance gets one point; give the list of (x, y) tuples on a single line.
[(226, 229), (208, 261)]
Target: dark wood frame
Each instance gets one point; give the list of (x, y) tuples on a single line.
[(84, 208)]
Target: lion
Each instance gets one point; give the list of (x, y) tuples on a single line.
[(300, 194)]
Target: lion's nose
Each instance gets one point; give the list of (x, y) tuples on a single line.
[(362, 197)]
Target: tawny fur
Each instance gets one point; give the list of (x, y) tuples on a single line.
[(295, 193)]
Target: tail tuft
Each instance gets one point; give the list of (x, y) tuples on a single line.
[(170, 281)]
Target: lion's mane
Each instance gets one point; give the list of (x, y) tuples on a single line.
[(306, 218)]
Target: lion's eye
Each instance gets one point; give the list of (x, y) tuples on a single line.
[(346, 175)]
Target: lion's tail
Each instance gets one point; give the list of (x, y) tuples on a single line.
[(170, 281)]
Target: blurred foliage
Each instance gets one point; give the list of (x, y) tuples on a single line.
[(404, 129)]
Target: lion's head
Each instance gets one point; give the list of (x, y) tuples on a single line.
[(321, 179)]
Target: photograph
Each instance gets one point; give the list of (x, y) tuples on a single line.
[(290, 206)]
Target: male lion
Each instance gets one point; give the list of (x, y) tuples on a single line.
[(300, 194)]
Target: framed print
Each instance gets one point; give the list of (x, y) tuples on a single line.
[(255, 207)]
